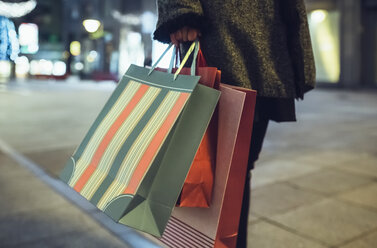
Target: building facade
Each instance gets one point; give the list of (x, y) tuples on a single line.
[(344, 38)]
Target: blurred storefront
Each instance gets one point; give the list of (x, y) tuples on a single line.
[(112, 34), (93, 39), (97, 39), (344, 38)]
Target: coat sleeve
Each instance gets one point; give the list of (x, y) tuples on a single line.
[(175, 14), (299, 45)]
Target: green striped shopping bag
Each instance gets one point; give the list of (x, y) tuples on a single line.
[(135, 157)]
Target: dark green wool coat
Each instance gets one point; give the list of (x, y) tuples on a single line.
[(259, 44)]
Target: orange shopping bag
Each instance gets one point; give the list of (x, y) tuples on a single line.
[(198, 186)]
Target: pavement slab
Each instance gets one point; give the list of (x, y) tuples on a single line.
[(34, 215), (326, 158), (88, 239), (52, 161), (368, 241), (363, 163), (9, 168), (50, 115), (365, 196), (330, 221), (279, 198), (22, 191), (24, 227), (265, 235), (330, 181), (253, 218), (278, 171)]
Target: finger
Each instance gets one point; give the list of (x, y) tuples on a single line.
[(184, 33), (192, 34), (173, 39), (178, 36)]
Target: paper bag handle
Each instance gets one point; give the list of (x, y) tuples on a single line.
[(194, 47)]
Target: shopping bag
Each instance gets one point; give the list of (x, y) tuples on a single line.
[(198, 186), (217, 226), (136, 155), (228, 223)]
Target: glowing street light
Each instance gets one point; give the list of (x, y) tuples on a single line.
[(91, 25), (75, 48), (318, 16)]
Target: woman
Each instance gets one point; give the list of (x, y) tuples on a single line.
[(263, 45)]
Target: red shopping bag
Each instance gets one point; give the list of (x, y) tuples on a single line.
[(217, 226), (228, 223)]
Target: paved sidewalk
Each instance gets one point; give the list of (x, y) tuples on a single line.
[(45, 211), (33, 215), (316, 182), (315, 185), (41, 211)]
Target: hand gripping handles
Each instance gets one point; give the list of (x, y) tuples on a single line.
[(194, 47)]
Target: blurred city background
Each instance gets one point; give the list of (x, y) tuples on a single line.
[(98, 40), (61, 59)]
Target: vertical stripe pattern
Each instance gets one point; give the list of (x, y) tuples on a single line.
[(152, 149), (122, 134), (140, 100), (138, 150), (125, 142), (99, 133), (127, 148)]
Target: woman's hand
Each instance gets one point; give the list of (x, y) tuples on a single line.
[(184, 34)]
